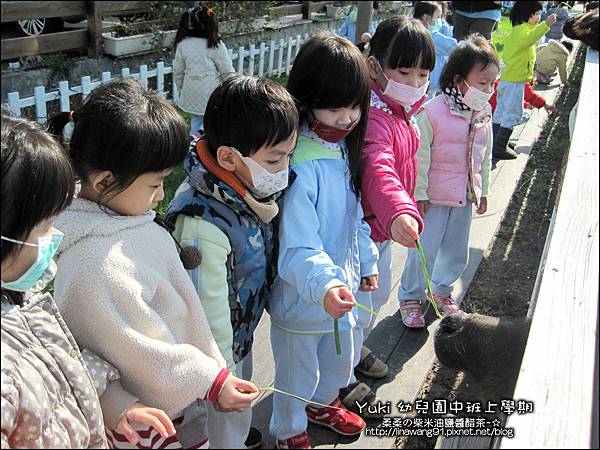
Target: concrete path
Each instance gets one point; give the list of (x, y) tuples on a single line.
[(409, 353)]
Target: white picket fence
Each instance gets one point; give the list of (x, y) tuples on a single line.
[(272, 59)]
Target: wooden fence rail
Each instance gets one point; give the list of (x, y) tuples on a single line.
[(91, 38)]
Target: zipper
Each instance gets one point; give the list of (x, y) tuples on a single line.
[(471, 140)]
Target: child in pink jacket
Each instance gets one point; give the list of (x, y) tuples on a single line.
[(454, 170), (401, 58)]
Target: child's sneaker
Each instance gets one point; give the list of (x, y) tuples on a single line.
[(336, 417), (447, 304), (412, 313), (299, 441), (370, 365)]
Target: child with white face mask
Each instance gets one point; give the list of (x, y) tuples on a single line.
[(225, 208), (402, 56), (454, 171)]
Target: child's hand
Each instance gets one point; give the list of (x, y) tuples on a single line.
[(405, 230), (236, 395), (368, 284), (551, 19), (138, 413), (338, 301), (482, 208), (422, 206), (550, 108)]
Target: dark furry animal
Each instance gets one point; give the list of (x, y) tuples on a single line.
[(488, 348), (584, 28)]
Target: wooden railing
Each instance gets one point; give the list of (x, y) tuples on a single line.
[(68, 40), (559, 372), (91, 38)]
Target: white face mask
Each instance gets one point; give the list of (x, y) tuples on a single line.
[(476, 99), (402, 93), (264, 183)]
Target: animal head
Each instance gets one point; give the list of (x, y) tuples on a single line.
[(484, 346), (584, 28)]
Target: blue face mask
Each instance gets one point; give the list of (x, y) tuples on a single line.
[(43, 269)]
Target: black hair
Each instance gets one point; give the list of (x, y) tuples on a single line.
[(330, 72), (522, 11), (400, 41), (199, 22), (38, 181), (568, 45), (428, 8), (471, 52), (125, 129), (249, 113)]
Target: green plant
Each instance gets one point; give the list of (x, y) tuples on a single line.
[(58, 64)]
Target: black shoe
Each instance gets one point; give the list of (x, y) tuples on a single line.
[(254, 439)]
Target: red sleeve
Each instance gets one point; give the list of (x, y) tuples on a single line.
[(536, 100), (215, 389), (494, 96)]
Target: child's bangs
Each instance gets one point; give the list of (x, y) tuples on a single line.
[(421, 52)]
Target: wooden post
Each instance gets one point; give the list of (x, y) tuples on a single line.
[(94, 20), (307, 10), (363, 19)]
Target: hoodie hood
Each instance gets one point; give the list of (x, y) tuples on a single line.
[(85, 218)]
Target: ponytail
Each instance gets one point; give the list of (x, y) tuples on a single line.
[(57, 123), (199, 22)]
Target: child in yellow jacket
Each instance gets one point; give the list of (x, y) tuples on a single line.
[(519, 57)]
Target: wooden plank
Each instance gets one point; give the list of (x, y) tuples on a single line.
[(94, 23), (14, 11), (290, 10), (113, 7), (307, 10), (47, 43), (557, 372)]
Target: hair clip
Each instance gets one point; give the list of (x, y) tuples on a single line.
[(210, 11)]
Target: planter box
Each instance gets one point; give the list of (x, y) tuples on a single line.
[(130, 45)]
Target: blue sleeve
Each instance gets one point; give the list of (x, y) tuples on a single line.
[(367, 249), (447, 44), (344, 31), (303, 263)]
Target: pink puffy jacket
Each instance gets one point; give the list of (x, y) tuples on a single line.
[(389, 165), (457, 153)]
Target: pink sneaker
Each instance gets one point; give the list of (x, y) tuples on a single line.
[(447, 304), (412, 313)]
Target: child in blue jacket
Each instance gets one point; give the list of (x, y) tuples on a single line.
[(325, 251)]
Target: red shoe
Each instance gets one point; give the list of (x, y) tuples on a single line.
[(299, 441), (340, 420)]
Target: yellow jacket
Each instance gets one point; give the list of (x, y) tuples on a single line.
[(519, 51)]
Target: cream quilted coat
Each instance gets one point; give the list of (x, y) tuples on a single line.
[(197, 72), (49, 389)]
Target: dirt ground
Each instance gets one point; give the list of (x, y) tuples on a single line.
[(506, 276)]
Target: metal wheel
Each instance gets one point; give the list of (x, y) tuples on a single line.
[(32, 27)]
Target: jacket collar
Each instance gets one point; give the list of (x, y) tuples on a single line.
[(474, 116), (230, 190)]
